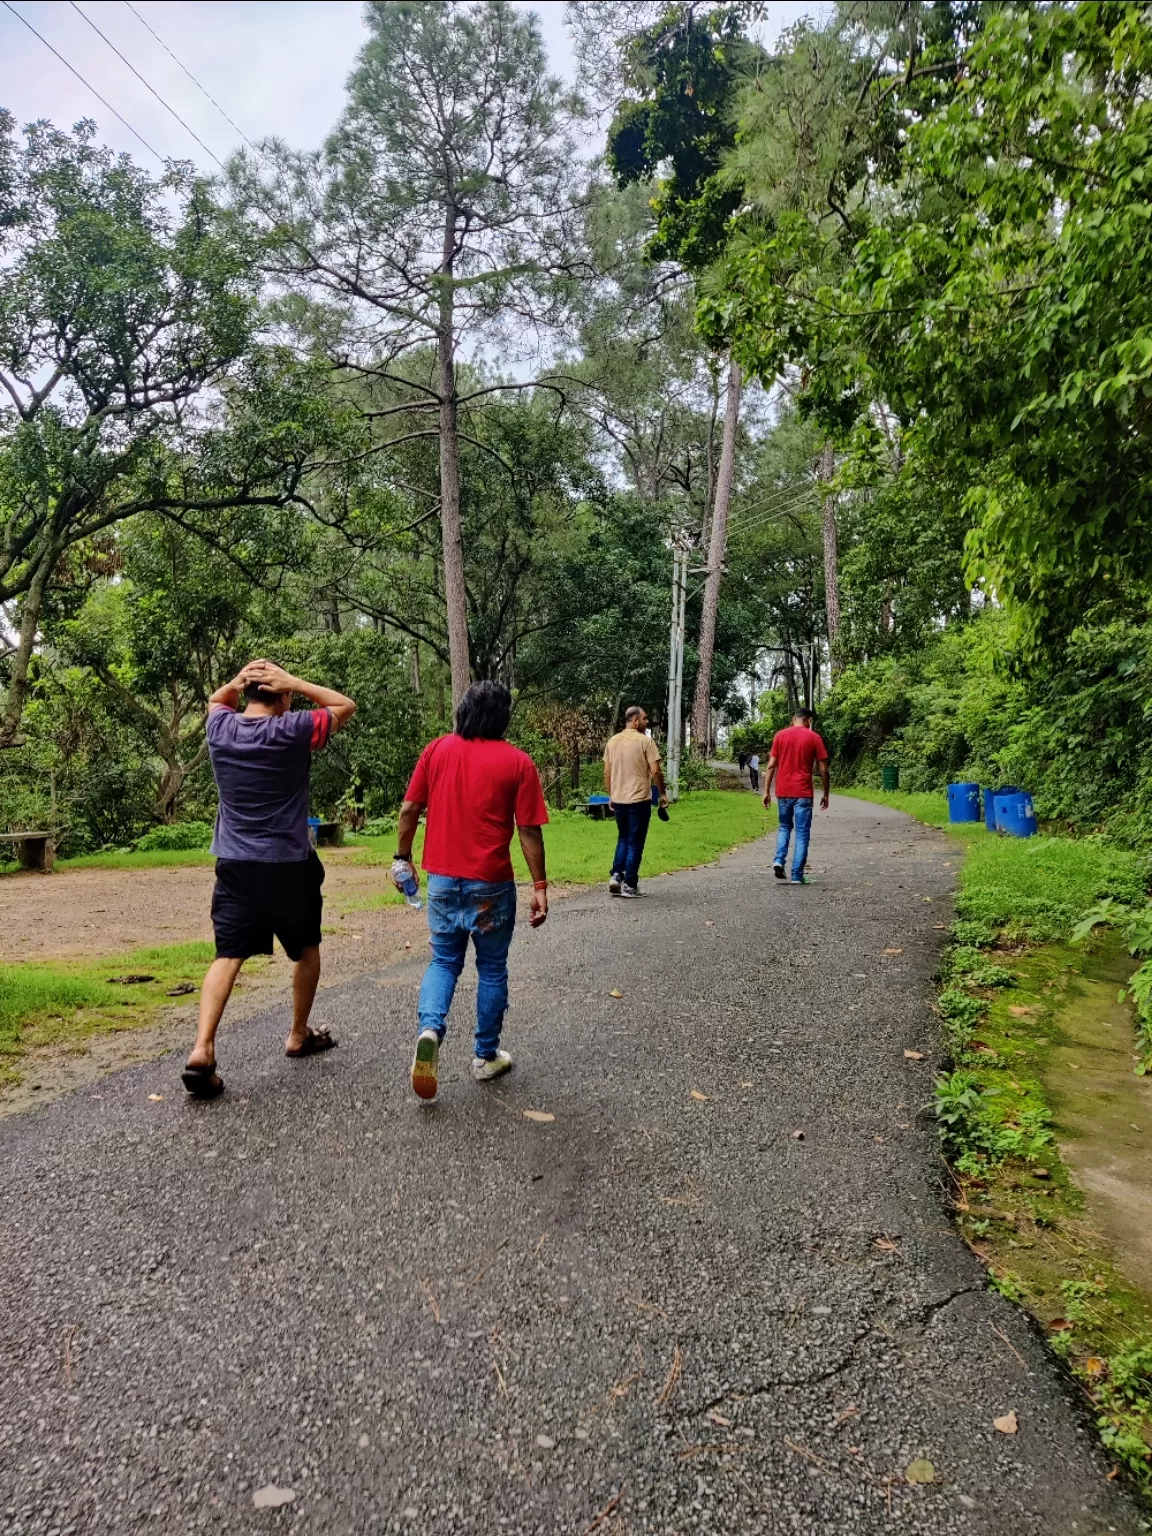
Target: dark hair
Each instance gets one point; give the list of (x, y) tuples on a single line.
[(484, 711), (256, 695), (803, 714), (631, 713)]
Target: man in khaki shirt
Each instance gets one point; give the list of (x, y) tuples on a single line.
[(631, 767)]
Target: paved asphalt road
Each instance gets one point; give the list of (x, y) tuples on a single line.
[(658, 1312)]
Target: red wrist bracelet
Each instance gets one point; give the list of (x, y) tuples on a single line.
[(539, 885)]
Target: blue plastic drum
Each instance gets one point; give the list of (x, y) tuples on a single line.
[(990, 803), (1014, 814), (963, 802)]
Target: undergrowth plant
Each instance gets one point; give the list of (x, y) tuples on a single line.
[(1135, 923)]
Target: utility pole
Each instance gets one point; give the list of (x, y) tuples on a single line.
[(675, 745)]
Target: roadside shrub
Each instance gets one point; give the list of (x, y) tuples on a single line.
[(180, 837)]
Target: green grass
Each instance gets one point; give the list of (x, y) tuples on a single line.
[(1033, 888), (154, 859), (579, 850), (64, 1001)]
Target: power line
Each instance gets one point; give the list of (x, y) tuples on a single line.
[(9, 6), (235, 126), (146, 86)]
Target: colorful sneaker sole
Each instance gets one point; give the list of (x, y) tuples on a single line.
[(426, 1067)]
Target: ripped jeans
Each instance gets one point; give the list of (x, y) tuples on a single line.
[(485, 912)]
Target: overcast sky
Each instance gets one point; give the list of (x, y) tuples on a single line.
[(274, 66)]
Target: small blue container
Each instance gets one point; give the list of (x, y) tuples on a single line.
[(1014, 814), (597, 799), (990, 803), (963, 802)]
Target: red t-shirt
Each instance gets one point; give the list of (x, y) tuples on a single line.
[(476, 792), (796, 751)]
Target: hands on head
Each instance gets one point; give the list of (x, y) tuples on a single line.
[(266, 674)]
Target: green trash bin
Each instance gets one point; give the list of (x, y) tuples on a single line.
[(890, 776)]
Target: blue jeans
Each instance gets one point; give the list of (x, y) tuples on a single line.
[(631, 834), (797, 812), (459, 910)]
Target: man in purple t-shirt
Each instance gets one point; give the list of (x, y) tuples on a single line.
[(268, 877)]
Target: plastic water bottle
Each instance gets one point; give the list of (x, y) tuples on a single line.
[(406, 881)]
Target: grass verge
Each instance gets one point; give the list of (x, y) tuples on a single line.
[(579, 850), (1010, 985), (66, 1001)]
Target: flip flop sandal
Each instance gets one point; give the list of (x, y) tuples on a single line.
[(202, 1082), (315, 1041)]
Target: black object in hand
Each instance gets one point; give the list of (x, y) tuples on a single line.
[(662, 812)]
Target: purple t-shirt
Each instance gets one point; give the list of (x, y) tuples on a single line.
[(261, 765)]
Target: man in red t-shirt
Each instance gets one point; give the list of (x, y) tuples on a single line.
[(794, 753), (476, 787)]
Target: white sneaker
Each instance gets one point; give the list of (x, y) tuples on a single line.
[(614, 884), (426, 1064), (484, 1071), (631, 891)]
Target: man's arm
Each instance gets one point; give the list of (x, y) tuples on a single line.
[(227, 696), (268, 675), (658, 780), (406, 824), (769, 775), (532, 844), (826, 782)]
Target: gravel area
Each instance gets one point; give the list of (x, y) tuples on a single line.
[(717, 1292)]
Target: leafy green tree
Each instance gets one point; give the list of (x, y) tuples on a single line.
[(129, 376), (438, 214)]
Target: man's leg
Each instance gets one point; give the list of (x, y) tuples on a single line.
[(803, 833), (754, 775), (305, 979), (492, 937), (214, 995), (439, 985), (786, 808), (639, 819), (620, 857)]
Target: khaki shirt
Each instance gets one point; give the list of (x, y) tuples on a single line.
[(632, 759)]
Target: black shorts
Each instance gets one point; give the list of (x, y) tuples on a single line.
[(252, 903)]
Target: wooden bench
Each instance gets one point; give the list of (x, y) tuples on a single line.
[(34, 850)]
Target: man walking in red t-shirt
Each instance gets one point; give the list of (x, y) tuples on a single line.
[(476, 787), (794, 753)]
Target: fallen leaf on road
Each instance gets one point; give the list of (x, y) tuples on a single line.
[(1018, 1011), (797, 1135), (1060, 1325), (752, 1085), (541, 1116), (893, 951), (271, 1497), (702, 1097), (718, 1418), (1006, 1423), (940, 926), (913, 1055), (1094, 1366), (708, 923), (1041, 1173), (920, 1471), (886, 1245), (546, 1442), (615, 992), (156, 1098)]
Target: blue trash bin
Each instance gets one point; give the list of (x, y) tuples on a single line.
[(1014, 814), (963, 802), (990, 803), (313, 829)]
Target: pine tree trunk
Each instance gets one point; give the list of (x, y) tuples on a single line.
[(831, 564), (702, 705), (455, 591)]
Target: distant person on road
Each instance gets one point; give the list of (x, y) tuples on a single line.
[(743, 761), (268, 877), (795, 752), (631, 767), (754, 770), (477, 787)]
